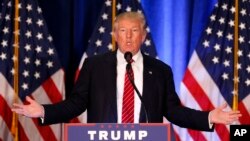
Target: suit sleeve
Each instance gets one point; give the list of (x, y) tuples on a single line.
[(182, 116), (75, 104)]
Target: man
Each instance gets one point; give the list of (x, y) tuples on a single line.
[(100, 88)]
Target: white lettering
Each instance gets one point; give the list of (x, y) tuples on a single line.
[(103, 135), (117, 137), (92, 135), (142, 134), (129, 135), (239, 132)]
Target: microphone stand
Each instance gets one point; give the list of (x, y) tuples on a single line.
[(128, 67)]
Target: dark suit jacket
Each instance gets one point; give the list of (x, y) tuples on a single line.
[(95, 91)]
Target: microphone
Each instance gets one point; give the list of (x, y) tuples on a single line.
[(128, 58)]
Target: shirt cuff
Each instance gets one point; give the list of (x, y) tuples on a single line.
[(42, 118), (209, 121)]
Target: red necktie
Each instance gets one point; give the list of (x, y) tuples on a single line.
[(128, 99)]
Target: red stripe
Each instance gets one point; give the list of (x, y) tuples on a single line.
[(245, 119), (21, 133), (196, 135), (52, 91), (5, 112), (204, 102), (77, 74), (45, 131), (177, 137), (74, 120)]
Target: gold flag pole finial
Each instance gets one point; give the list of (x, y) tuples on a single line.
[(113, 19), (236, 48), (14, 125)]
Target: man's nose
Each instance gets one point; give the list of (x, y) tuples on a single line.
[(128, 34)]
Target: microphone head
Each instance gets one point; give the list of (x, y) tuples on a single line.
[(128, 56)]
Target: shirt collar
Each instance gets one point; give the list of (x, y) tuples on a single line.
[(121, 59)]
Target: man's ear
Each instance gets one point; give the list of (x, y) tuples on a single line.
[(114, 35), (144, 36)]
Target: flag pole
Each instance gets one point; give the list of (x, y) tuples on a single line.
[(14, 125), (113, 19), (236, 48)]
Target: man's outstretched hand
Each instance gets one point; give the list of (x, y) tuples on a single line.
[(32, 110), (224, 117)]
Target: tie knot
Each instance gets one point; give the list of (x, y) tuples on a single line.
[(131, 61)]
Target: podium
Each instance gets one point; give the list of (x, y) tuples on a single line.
[(117, 132)]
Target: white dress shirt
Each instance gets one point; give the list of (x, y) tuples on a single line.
[(137, 67)]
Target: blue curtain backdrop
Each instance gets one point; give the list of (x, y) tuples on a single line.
[(176, 26)]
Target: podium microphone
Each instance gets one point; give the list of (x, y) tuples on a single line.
[(128, 58)]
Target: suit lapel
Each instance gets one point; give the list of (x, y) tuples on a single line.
[(148, 77)]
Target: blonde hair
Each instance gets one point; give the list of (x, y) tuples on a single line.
[(130, 15)]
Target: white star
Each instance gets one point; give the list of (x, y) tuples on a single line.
[(209, 30), (224, 7), (7, 17), (108, 3), (39, 10), (16, 32), (240, 53), (37, 75), (28, 34), (206, 43), (232, 10), (248, 69), (212, 17), (219, 34), (148, 29), (228, 50), (12, 71), (226, 63), (128, 9), (3, 56), (38, 49), (9, 4), (118, 6), (222, 20), (101, 29), (239, 66), (247, 82), (231, 23), (105, 16), (49, 64), (26, 73), (230, 36), (147, 42), (38, 62), (25, 86), (4, 43), (50, 38), (241, 39), (225, 76), (98, 43), (50, 51), (39, 22), (217, 47), (26, 60), (18, 19), (242, 26), (243, 12), (110, 46), (29, 21), (27, 47), (29, 7), (5, 30), (39, 36), (215, 60)]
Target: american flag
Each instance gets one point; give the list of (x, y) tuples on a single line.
[(101, 39), (40, 73), (208, 80)]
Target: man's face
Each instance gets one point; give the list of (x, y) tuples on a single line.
[(129, 35)]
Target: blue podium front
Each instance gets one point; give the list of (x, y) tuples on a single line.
[(117, 132)]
